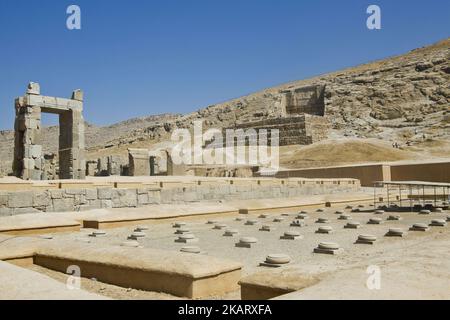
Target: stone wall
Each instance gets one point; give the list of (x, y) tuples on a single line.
[(369, 173), (106, 166), (222, 171), (64, 200), (301, 130), (309, 100), (432, 172), (366, 174), (138, 162)]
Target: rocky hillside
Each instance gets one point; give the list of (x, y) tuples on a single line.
[(399, 99)]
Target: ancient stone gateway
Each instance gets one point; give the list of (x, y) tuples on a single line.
[(28, 155), (139, 162)]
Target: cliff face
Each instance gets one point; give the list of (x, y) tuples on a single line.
[(399, 99)]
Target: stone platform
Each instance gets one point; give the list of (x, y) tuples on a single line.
[(17, 283), (17, 197)]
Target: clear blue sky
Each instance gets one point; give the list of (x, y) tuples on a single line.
[(135, 58)]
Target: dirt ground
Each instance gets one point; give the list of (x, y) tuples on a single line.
[(358, 151)]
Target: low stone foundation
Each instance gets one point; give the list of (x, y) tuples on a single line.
[(135, 194), (183, 275)]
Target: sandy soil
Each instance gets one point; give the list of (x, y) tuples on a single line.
[(336, 152)]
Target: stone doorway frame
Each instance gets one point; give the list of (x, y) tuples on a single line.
[(28, 152)]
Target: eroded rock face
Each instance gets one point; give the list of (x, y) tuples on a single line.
[(401, 98), (380, 100)]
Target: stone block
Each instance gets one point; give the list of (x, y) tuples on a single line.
[(143, 199), (106, 204), (190, 196), (56, 194), (3, 199), (28, 163), (42, 199), (35, 174), (63, 205), (75, 191), (91, 194), (34, 88), (105, 193), (77, 95), (95, 204), (142, 191), (35, 151), (154, 197), (18, 211), (80, 199), (139, 162), (123, 198), (20, 199), (4, 212)]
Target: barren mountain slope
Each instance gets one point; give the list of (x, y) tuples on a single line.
[(404, 98), (398, 99)]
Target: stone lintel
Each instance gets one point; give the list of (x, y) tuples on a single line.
[(52, 104)]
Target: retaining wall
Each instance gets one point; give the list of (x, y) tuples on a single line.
[(129, 195), (433, 172), (368, 174)]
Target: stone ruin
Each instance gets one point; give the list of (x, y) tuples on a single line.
[(309, 100), (300, 118), (142, 162), (29, 161), (139, 162)]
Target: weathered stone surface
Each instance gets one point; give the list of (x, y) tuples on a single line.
[(75, 191), (138, 162), (29, 161), (3, 199), (6, 212), (122, 198), (20, 199), (106, 204), (104, 193), (42, 199), (114, 164), (18, 211), (56, 194), (62, 205), (143, 199), (91, 194)]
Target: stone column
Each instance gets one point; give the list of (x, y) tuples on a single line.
[(72, 163), (78, 145), (28, 159)]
